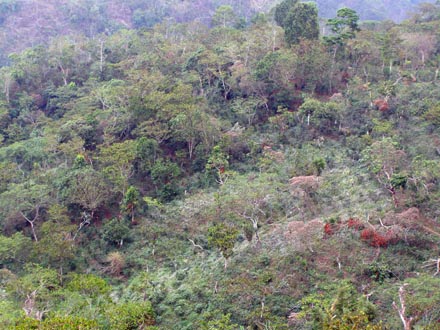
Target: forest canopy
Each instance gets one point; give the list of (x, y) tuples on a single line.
[(265, 168)]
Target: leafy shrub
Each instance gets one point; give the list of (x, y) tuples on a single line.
[(89, 284), (115, 231), (57, 323), (131, 316)]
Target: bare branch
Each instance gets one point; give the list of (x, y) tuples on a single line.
[(196, 245), (407, 321)]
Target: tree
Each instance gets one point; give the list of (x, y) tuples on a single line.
[(193, 125), (56, 247), (344, 26), (223, 237), (323, 116), (130, 202), (423, 306), (131, 315), (27, 200), (87, 188), (35, 289), (14, 249), (218, 162), (224, 16), (164, 174), (346, 310), (146, 153), (117, 160), (298, 19), (115, 231), (282, 10), (388, 164), (301, 23)]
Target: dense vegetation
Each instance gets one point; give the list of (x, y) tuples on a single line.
[(28, 23), (245, 176)]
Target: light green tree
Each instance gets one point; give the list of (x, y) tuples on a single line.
[(225, 16), (117, 160), (223, 237)]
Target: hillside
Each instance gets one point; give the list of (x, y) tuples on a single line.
[(230, 176), (29, 23)]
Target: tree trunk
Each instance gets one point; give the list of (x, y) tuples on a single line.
[(101, 58), (31, 223), (406, 321)]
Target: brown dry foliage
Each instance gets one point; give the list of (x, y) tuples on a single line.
[(406, 219), (306, 183), (381, 105), (276, 156), (303, 235), (117, 263)]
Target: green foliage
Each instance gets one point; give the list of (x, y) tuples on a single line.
[(164, 174), (298, 19), (80, 162), (55, 247), (14, 248), (223, 237), (323, 116), (89, 285), (87, 188), (131, 315), (433, 115), (379, 272), (422, 298), (146, 152), (344, 26), (222, 323), (115, 231), (130, 201), (57, 322), (282, 10), (224, 16), (399, 180), (301, 23), (219, 164), (118, 159), (345, 311), (120, 124)]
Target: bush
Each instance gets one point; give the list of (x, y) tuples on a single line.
[(115, 231), (131, 316)]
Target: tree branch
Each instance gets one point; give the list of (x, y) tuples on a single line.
[(196, 245)]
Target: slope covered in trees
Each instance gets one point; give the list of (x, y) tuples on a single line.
[(256, 176), (30, 23)]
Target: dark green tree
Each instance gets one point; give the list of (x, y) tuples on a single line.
[(344, 26), (115, 231), (130, 202), (282, 10), (301, 23), (298, 19)]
